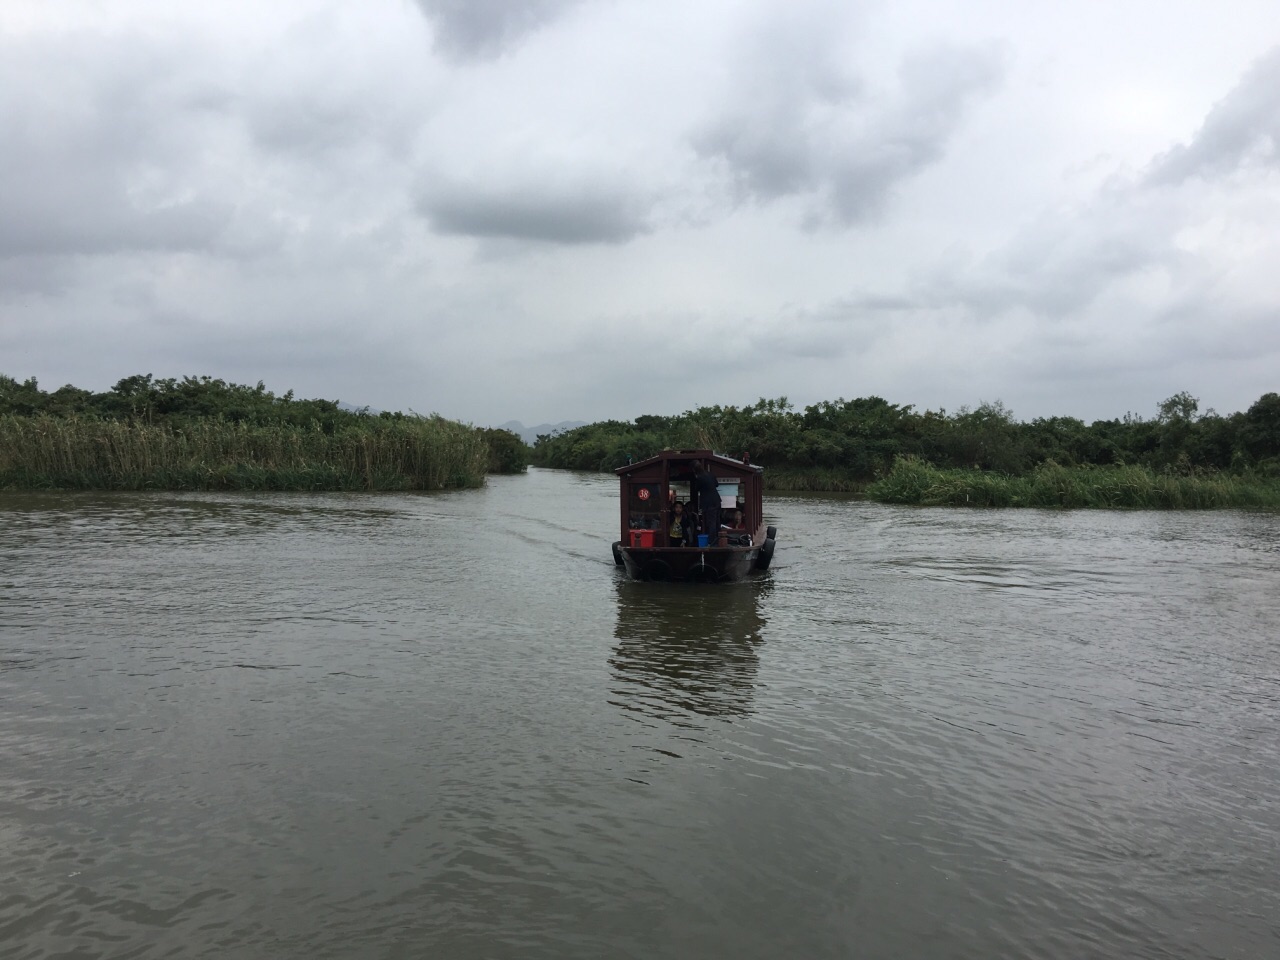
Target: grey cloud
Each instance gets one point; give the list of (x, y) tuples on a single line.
[(1242, 129), (914, 132), (790, 87), (813, 130), (1062, 262), (140, 143), (85, 222), (827, 331), (881, 303), (307, 124), (32, 276), (94, 160), (804, 343), (482, 29), (300, 107), (1059, 264), (580, 213)]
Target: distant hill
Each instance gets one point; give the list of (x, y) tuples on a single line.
[(352, 408), (529, 434)]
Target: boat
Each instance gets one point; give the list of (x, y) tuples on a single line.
[(649, 490)]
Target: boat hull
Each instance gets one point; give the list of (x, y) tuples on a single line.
[(689, 564)]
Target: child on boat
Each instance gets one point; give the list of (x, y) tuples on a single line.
[(680, 533)]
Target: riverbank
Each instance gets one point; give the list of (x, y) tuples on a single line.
[(812, 480), (914, 482), (405, 453)]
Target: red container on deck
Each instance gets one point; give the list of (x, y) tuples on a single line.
[(642, 538)]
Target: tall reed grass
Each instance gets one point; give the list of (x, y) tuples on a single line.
[(912, 481), (420, 453)]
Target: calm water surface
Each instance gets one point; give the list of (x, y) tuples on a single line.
[(443, 726)]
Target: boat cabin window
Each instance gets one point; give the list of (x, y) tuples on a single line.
[(678, 490), (644, 506), (730, 493)]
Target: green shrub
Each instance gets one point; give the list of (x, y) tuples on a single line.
[(912, 481)]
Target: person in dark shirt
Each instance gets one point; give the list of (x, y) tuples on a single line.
[(708, 494), (681, 532)]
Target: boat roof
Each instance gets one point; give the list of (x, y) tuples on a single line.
[(687, 456)]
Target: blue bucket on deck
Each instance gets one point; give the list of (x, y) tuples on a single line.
[(703, 539)]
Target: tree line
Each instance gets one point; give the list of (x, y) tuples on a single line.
[(847, 444)]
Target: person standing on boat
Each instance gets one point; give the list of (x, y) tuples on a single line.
[(708, 496)]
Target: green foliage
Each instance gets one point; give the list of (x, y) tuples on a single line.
[(1260, 431), (813, 479), (422, 453), (144, 398), (24, 398), (507, 452), (604, 445), (912, 481), (203, 433), (988, 438), (849, 444), (1180, 408)]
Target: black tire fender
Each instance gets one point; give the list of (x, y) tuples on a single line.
[(617, 552), (765, 556), (771, 533), (656, 569), (704, 574)]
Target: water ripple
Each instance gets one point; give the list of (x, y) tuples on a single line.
[(330, 726)]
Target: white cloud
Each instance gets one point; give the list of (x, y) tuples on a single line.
[(803, 121), (1241, 132)]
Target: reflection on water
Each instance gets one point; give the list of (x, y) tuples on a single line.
[(683, 649), (115, 520)]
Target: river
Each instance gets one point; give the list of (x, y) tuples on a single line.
[(443, 725)]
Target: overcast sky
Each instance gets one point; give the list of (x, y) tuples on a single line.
[(583, 209)]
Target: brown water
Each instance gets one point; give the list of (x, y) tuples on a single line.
[(443, 726)]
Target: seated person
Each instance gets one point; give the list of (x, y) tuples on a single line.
[(739, 521)]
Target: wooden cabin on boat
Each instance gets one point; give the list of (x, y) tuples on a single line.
[(654, 546)]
